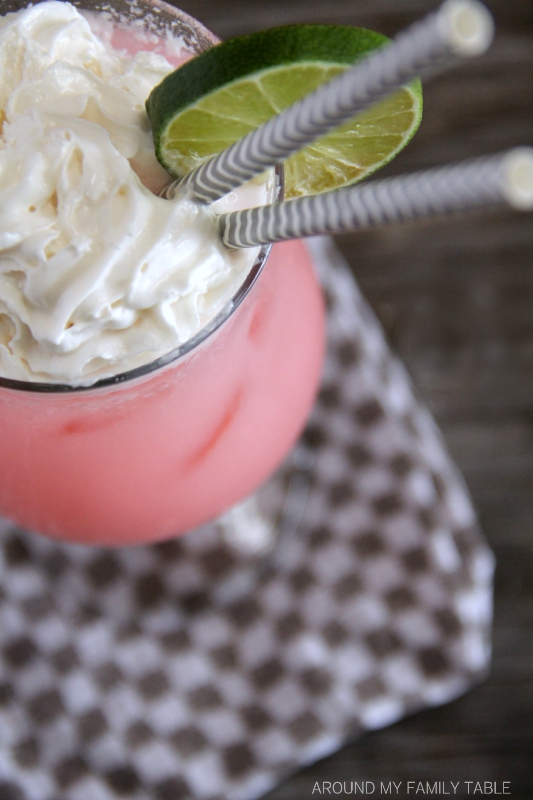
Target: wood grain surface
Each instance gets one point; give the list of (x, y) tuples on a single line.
[(456, 299)]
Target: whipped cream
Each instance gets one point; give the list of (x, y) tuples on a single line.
[(98, 275)]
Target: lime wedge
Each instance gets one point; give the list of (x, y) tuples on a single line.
[(223, 94)]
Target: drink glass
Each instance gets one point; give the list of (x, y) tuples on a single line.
[(163, 448)]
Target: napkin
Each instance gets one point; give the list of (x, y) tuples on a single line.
[(199, 668)]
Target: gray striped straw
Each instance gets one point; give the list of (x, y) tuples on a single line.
[(460, 28), (507, 177)]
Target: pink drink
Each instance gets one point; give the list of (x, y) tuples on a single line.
[(161, 454), (149, 459)]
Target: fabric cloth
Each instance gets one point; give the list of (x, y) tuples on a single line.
[(191, 670)]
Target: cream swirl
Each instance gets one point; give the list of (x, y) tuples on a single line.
[(97, 274)]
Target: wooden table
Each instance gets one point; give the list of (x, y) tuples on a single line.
[(456, 300)]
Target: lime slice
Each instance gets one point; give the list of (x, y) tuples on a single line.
[(223, 94)]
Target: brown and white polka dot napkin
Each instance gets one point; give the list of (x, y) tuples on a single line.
[(190, 670)]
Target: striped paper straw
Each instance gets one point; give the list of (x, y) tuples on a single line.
[(460, 28), (506, 178)]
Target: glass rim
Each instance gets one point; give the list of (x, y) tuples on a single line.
[(159, 18), (201, 36)]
